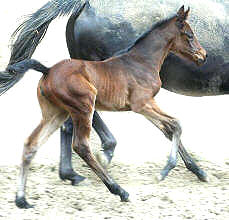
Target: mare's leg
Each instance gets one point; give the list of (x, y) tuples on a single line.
[(108, 141), (108, 145), (53, 118), (82, 127), (66, 171)]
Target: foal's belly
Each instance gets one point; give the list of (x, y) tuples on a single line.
[(111, 107), (112, 101)]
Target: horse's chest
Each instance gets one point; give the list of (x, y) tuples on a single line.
[(146, 82)]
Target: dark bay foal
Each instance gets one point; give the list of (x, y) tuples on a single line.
[(127, 82)]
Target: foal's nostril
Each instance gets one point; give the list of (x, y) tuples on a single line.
[(201, 61)]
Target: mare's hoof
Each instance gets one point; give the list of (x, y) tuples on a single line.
[(22, 203), (77, 179), (124, 196), (102, 159), (72, 176), (109, 155)]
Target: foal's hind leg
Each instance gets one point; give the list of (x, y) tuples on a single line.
[(82, 128), (53, 118)]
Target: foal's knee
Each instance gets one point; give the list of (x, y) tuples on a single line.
[(172, 128), (28, 152)]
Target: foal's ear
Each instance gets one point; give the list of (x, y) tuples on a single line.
[(182, 16)]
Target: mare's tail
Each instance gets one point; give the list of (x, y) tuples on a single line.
[(30, 33)]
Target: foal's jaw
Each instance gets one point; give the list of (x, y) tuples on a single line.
[(199, 57), (195, 54)]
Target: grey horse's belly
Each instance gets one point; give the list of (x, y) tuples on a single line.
[(111, 25)]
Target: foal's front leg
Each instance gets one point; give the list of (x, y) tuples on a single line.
[(168, 125), (191, 165), (172, 130)]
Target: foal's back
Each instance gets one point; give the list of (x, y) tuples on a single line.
[(113, 82), (70, 81)]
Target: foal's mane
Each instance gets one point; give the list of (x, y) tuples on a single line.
[(145, 34)]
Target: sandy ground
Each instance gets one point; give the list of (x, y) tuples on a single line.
[(180, 196), (140, 154)]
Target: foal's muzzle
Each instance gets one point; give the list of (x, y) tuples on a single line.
[(201, 61), (201, 57)]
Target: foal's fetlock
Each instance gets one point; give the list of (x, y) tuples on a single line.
[(72, 176), (177, 127), (22, 203), (202, 176), (168, 167)]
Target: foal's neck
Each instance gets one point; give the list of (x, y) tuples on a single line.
[(154, 48)]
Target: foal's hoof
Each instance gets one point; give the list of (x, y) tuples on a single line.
[(202, 176), (164, 173), (22, 203), (159, 178), (117, 190), (124, 196)]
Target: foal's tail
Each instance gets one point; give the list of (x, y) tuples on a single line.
[(22, 67), (30, 33), (16, 71)]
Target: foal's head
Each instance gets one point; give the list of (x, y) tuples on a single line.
[(185, 43)]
